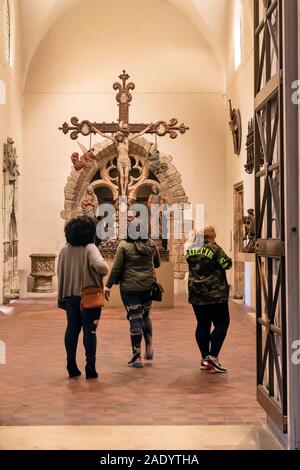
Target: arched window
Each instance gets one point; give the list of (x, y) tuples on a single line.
[(8, 31), (238, 34), (2, 92)]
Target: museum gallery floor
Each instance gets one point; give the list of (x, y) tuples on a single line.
[(35, 389)]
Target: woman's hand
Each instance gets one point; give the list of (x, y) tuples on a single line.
[(107, 293)]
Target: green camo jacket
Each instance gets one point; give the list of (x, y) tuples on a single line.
[(207, 277)]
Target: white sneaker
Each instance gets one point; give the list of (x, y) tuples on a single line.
[(204, 366), (215, 365)]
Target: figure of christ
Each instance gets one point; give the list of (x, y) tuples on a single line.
[(122, 139)]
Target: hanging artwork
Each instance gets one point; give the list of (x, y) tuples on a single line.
[(125, 168), (249, 237), (123, 134), (249, 167), (235, 125)]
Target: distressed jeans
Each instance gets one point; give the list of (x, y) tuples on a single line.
[(138, 306), (78, 319)]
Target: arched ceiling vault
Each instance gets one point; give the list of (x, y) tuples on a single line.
[(209, 17), (37, 17)]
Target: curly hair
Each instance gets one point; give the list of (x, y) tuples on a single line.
[(81, 231)]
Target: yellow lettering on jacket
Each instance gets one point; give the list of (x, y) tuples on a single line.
[(204, 251)]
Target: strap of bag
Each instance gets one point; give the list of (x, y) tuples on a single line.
[(82, 272), (152, 254)]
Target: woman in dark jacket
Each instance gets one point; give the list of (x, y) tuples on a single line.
[(133, 269), (80, 265), (208, 294)]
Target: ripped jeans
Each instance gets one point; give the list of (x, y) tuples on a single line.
[(138, 306), (80, 318)]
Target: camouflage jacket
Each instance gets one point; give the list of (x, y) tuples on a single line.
[(207, 276)]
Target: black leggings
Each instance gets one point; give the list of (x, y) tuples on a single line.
[(210, 343)]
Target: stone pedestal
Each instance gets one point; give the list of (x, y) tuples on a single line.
[(42, 271)]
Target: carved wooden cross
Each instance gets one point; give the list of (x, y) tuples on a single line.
[(124, 98)]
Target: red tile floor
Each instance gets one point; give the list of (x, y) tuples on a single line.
[(35, 389)]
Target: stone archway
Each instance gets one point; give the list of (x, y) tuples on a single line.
[(169, 181)]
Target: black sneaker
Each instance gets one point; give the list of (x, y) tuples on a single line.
[(214, 364), (136, 362)]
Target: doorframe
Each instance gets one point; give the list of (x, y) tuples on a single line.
[(291, 163), (270, 246), (238, 188), (289, 433)]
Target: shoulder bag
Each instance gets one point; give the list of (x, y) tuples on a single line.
[(91, 297)]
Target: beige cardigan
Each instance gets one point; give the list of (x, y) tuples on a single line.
[(79, 267)]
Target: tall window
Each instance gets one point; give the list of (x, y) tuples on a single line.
[(238, 34), (2, 92), (8, 31)]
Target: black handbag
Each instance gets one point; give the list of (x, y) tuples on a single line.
[(157, 291)]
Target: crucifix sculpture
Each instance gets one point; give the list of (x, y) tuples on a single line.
[(123, 132)]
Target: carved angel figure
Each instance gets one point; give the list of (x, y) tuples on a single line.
[(80, 162), (155, 164)]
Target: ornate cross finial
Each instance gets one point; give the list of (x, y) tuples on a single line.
[(124, 96), (124, 77)]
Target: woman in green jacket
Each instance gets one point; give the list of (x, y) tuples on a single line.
[(134, 270)]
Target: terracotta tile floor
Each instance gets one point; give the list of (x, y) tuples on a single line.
[(172, 391)]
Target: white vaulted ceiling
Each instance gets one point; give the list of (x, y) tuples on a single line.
[(210, 17), (37, 17)]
